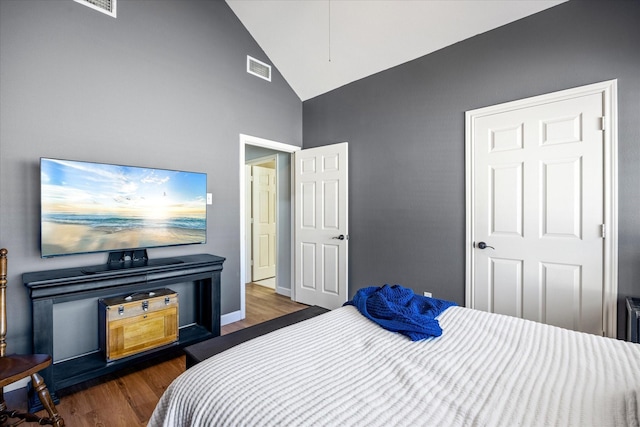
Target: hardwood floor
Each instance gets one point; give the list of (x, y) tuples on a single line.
[(128, 398), (262, 304)]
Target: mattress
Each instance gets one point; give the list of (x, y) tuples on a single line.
[(341, 369)]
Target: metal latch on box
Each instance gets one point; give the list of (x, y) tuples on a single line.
[(145, 305), (121, 310)]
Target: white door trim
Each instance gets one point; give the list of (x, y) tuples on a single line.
[(610, 126), (273, 145)]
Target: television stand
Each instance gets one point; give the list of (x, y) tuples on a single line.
[(48, 288), (137, 258)]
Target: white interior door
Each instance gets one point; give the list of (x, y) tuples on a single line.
[(264, 222), (539, 207), (321, 225)]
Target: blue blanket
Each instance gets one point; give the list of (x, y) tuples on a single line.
[(398, 309)]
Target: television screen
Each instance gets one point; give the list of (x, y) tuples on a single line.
[(95, 207)]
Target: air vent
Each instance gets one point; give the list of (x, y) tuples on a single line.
[(104, 6), (258, 68)]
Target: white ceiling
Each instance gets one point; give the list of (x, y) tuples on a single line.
[(320, 45)]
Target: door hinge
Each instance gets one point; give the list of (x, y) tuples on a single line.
[(603, 230), (602, 122)]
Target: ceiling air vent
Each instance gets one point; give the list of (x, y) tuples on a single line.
[(104, 6), (258, 68)]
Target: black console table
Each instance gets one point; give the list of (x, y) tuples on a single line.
[(50, 287)]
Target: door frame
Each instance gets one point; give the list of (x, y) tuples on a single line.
[(610, 203), (273, 145)]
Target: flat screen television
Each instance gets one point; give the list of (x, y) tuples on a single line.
[(91, 207)]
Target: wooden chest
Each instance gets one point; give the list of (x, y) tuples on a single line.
[(135, 323)]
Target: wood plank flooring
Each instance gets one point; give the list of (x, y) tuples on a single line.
[(128, 398)]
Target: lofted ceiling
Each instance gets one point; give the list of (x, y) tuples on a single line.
[(320, 45)]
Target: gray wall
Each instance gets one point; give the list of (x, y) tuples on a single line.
[(163, 85), (405, 128)]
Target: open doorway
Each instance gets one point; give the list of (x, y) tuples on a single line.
[(261, 201), (253, 148)]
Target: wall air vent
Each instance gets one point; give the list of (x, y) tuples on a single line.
[(258, 68), (104, 6)]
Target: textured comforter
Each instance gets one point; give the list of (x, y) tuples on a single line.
[(340, 369)]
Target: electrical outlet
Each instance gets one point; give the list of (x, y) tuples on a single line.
[(428, 294), (209, 198)]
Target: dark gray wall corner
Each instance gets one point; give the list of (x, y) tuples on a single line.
[(405, 128), (163, 85)]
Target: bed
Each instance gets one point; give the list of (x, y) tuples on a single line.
[(341, 369)]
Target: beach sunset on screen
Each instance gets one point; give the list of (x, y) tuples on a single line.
[(89, 207)]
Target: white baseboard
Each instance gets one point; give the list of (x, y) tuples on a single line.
[(284, 291), (17, 385), (267, 283), (234, 316)]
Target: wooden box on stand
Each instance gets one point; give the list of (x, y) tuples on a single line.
[(135, 323)]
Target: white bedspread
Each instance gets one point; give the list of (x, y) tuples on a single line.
[(340, 369)]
